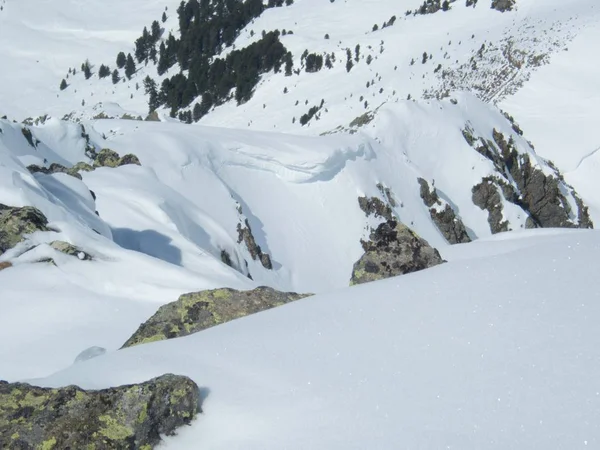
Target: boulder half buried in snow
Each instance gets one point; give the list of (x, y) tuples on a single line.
[(17, 222), (124, 417), (197, 311), (393, 249)]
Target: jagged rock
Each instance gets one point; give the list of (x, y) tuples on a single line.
[(54, 168), (245, 235), (197, 311), (107, 158), (373, 205), (451, 226), (486, 195), (125, 417), (82, 167), (503, 5), (70, 249), (393, 249), (129, 159), (16, 222)]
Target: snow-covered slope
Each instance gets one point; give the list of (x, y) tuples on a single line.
[(493, 350), (488, 352)]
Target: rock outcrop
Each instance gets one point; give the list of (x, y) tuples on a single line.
[(109, 158), (245, 235), (125, 417), (487, 196), (503, 5), (17, 222), (55, 168), (393, 249), (70, 249), (197, 311), (444, 217)]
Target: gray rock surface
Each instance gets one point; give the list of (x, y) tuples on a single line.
[(17, 222), (125, 417), (197, 311), (393, 249)]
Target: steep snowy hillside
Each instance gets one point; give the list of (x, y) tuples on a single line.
[(170, 166)]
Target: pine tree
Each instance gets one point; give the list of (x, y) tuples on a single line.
[(164, 17), (155, 31), (87, 70), (129, 66), (104, 71), (63, 85), (115, 76), (121, 60), (151, 91)]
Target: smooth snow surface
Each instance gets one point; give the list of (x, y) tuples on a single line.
[(495, 352)]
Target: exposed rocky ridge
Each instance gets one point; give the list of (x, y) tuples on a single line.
[(125, 417), (541, 196), (444, 217), (245, 235), (55, 168), (197, 311), (393, 249), (15, 223)]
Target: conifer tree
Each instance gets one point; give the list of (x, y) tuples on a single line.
[(129, 66)]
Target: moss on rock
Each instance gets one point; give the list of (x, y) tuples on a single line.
[(15, 223), (393, 249), (197, 311), (125, 417)]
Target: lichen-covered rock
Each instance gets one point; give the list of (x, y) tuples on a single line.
[(245, 235), (107, 158), (129, 159), (82, 167), (393, 249), (55, 168), (452, 227), (16, 222), (125, 417), (197, 311), (70, 249)]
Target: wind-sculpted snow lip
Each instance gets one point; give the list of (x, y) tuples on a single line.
[(323, 166)]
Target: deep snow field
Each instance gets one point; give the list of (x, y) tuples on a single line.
[(496, 349)]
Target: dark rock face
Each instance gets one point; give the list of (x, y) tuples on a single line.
[(487, 196), (375, 206), (197, 311), (129, 159), (16, 222), (503, 5), (54, 168), (542, 196), (451, 226), (125, 417), (393, 249), (245, 235)]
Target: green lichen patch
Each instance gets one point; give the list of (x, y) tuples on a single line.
[(15, 223), (124, 417), (197, 311)]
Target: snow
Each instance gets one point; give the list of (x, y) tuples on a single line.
[(493, 350), (412, 362)]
